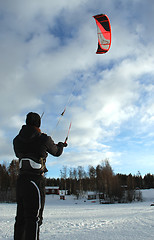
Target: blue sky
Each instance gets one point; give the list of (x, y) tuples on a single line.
[(48, 61)]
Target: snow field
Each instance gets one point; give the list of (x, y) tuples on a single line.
[(83, 220), (94, 221)]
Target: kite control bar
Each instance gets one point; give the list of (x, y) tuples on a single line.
[(68, 133)]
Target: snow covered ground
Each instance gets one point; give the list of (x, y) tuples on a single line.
[(86, 220)]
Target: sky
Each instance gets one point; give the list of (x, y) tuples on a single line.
[(48, 61)]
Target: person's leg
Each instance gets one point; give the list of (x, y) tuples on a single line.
[(32, 205), (19, 220), (19, 223), (41, 185)]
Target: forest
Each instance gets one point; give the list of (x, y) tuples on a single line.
[(100, 179)]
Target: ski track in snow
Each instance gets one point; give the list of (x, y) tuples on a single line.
[(79, 220), (120, 221)]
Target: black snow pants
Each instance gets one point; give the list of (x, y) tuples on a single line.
[(30, 205)]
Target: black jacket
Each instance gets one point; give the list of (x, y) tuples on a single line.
[(32, 148)]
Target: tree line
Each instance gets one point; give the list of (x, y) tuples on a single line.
[(100, 179), (8, 178)]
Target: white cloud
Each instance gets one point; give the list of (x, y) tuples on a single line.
[(86, 158)]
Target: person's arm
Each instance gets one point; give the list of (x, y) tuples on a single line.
[(54, 149)]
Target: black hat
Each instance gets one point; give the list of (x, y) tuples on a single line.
[(33, 119)]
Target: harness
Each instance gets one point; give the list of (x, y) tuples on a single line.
[(30, 166)]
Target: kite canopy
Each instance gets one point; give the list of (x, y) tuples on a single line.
[(104, 33)]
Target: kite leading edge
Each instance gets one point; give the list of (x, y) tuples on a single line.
[(104, 33)]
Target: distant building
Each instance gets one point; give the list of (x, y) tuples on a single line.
[(63, 192), (52, 190), (91, 195), (56, 191)]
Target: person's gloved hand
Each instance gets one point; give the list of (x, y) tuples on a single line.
[(62, 144), (65, 144)]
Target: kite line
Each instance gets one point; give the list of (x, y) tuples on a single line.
[(104, 44)]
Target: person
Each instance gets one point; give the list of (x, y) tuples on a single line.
[(31, 147)]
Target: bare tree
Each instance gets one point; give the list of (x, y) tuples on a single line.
[(92, 176), (64, 176)]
